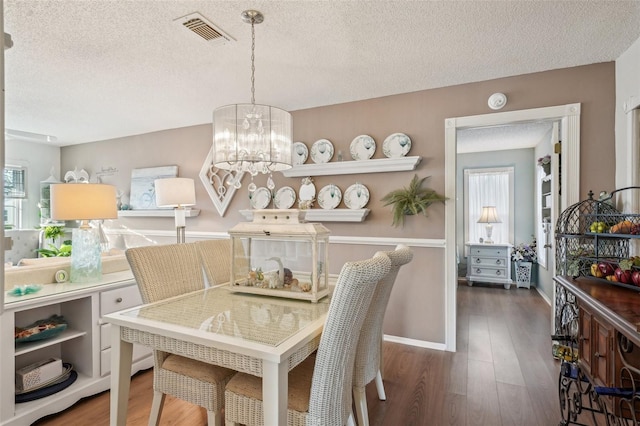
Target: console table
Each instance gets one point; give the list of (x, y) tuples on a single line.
[(601, 321)]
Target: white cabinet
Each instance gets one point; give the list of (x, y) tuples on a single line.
[(83, 343), (489, 263)]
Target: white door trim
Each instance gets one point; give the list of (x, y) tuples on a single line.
[(569, 116)]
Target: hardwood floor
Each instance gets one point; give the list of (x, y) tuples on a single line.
[(502, 374)]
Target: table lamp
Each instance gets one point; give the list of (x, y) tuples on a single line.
[(178, 193), (84, 202), (489, 215)]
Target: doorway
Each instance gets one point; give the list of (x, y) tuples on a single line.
[(568, 116)]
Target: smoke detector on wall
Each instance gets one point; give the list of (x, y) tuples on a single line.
[(497, 101), (204, 29)]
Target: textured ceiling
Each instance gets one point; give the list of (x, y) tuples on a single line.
[(84, 71)]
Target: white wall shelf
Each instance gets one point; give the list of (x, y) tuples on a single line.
[(321, 215), (354, 167), (156, 213)]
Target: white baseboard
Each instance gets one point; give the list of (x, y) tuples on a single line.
[(543, 295), (414, 342)]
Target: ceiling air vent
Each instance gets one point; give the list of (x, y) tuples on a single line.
[(203, 28)]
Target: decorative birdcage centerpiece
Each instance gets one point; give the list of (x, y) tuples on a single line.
[(576, 246), (278, 254)]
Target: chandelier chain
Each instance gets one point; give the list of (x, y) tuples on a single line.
[(253, 57)]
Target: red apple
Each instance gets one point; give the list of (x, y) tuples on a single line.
[(606, 268), (623, 275), (635, 277)]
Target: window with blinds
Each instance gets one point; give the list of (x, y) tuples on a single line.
[(15, 191), (15, 185)]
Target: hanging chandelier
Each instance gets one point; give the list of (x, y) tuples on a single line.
[(251, 137)]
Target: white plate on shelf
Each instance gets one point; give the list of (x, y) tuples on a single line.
[(261, 198), (396, 145), (284, 198), (321, 151), (362, 147), (300, 153), (306, 193), (356, 196), (329, 197)]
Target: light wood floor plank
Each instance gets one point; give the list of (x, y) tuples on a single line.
[(483, 407), (515, 406)]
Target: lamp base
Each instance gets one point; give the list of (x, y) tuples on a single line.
[(86, 256), (489, 230)]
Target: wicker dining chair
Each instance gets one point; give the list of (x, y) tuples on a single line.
[(368, 361), (164, 271), (215, 256), (320, 387)]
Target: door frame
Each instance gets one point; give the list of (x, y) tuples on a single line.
[(568, 115)]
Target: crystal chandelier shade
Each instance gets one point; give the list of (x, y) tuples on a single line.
[(251, 137)]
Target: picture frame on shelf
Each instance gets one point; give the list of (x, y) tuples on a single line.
[(142, 195)]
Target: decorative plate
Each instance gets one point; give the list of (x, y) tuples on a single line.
[(362, 147), (300, 153), (306, 193), (396, 145), (284, 198), (356, 196), (261, 198), (329, 197), (321, 151)]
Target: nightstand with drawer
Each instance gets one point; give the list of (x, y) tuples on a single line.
[(489, 263)]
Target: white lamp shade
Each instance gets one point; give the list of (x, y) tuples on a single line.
[(247, 136), (489, 215), (83, 201), (174, 192)]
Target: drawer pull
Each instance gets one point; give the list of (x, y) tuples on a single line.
[(478, 271), (119, 300), (478, 260), (498, 272), (498, 261)]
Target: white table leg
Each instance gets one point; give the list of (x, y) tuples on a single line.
[(275, 384), (121, 354)]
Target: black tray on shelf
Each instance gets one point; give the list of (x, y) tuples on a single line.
[(55, 385)]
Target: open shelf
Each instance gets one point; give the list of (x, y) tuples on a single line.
[(23, 348), (354, 167), (156, 213)]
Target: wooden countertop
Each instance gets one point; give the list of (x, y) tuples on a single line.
[(620, 306)]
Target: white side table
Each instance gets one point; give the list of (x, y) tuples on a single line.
[(489, 263)]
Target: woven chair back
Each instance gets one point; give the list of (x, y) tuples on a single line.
[(164, 271), (367, 361), (330, 400)]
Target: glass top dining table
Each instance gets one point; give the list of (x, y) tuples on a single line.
[(260, 335)]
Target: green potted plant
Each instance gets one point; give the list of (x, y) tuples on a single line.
[(52, 232), (411, 200)]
